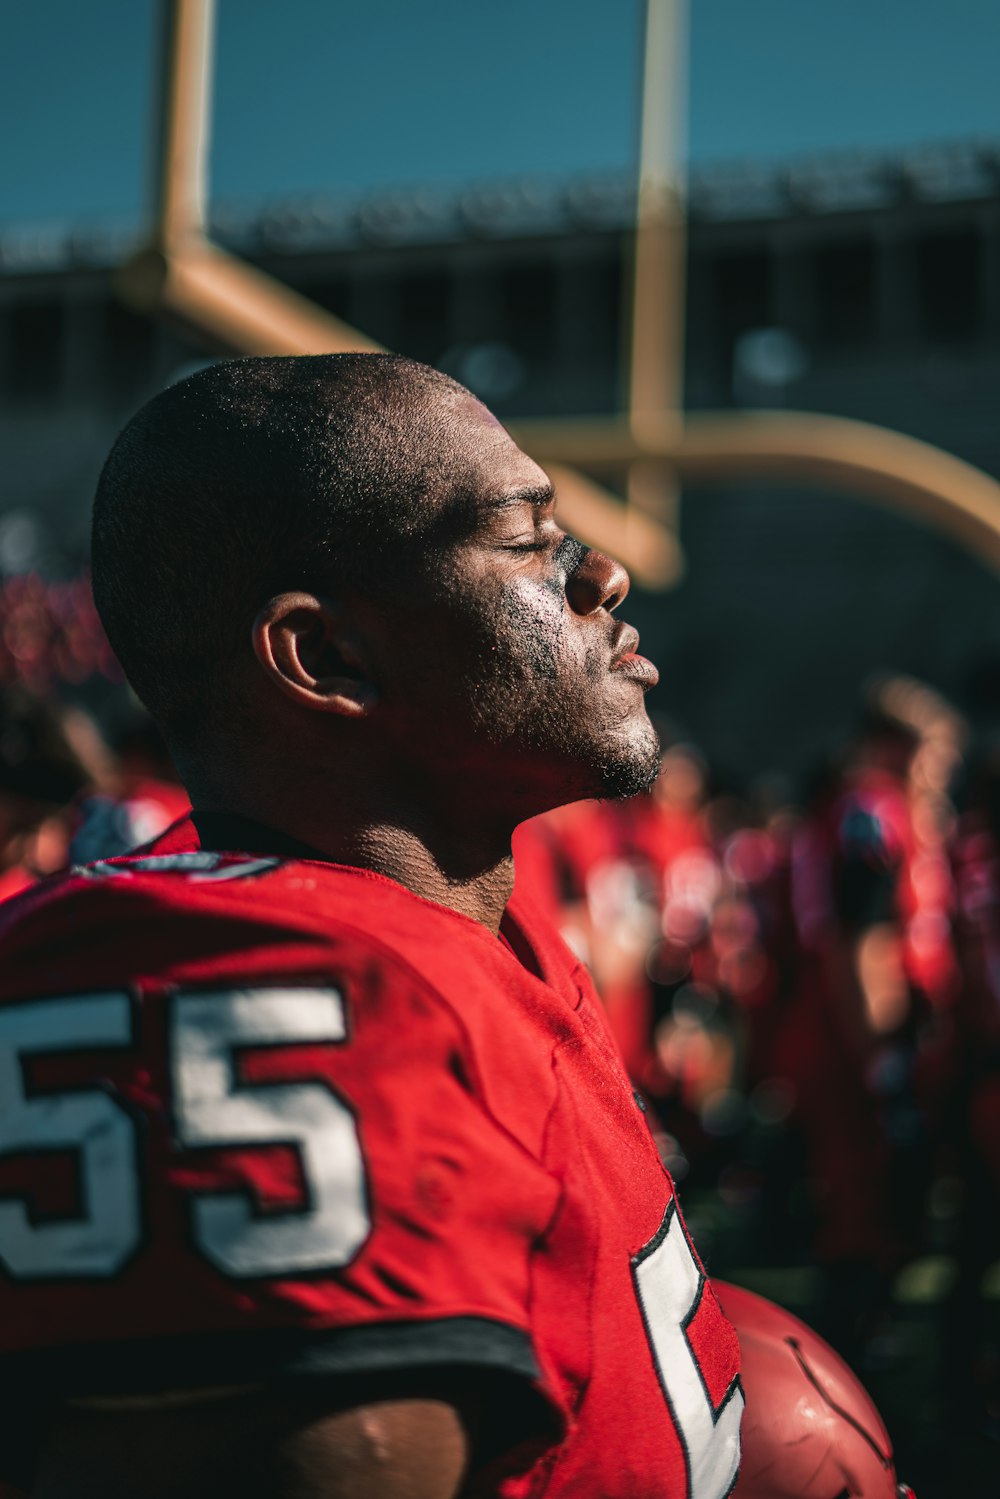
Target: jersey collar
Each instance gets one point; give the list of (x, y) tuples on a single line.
[(225, 832)]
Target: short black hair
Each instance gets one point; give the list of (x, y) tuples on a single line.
[(251, 477)]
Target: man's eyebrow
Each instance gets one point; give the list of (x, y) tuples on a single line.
[(535, 495)]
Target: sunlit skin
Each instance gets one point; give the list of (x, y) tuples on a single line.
[(410, 726)]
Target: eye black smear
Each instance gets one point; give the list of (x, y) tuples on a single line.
[(538, 629), (567, 558), (569, 554)]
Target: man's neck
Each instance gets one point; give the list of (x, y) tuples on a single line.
[(469, 874)]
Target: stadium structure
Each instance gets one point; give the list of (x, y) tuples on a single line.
[(863, 286)]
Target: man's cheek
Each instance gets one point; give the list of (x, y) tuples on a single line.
[(596, 662), (535, 629)]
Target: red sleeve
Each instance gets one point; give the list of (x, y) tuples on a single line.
[(254, 1164)]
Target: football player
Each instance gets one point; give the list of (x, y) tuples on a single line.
[(319, 1172)]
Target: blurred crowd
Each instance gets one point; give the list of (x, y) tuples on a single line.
[(72, 792), (807, 997)]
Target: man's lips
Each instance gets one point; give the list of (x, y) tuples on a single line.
[(627, 659)]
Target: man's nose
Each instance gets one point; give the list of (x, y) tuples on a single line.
[(598, 582)]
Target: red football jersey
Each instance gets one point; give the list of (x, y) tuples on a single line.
[(265, 1117)]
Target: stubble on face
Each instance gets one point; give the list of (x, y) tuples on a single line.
[(535, 689)]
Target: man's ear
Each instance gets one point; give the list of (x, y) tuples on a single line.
[(306, 646)]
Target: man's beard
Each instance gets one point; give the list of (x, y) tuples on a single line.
[(611, 765), (634, 774), (520, 702)]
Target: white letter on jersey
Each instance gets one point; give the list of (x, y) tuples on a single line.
[(100, 1241), (214, 1108), (669, 1285)]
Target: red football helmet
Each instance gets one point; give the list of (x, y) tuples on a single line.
[(810, 1429)]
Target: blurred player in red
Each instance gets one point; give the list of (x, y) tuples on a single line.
[(676, 877), (969, 1365), (320, 1174), (624, 880), (873, 900)]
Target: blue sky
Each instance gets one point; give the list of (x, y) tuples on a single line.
[(319, 95)]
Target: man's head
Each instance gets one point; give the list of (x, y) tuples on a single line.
[(348, 553)]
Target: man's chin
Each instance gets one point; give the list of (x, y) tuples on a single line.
[(620, 779), (607, 767), (630, 770)]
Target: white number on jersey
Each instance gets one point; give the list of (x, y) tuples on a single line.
[(213, 1109), (669, 1284), (90, 1122)]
